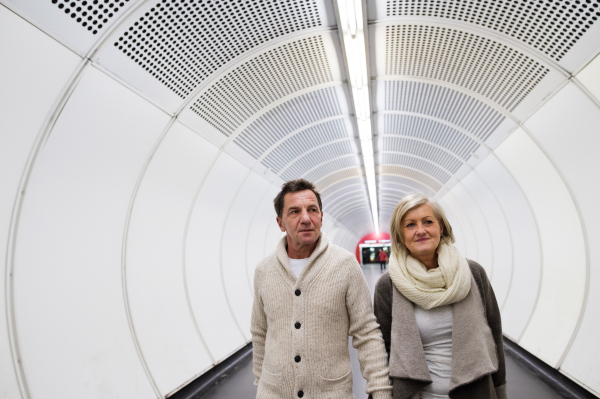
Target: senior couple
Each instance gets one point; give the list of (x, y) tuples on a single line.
[(435, 330)]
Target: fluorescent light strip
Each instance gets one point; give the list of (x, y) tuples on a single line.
[(351, 24)]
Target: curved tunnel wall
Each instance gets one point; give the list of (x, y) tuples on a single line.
[(130, 227)]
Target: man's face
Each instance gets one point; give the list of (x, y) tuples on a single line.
[(301, 218)]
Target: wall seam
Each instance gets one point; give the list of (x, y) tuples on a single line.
[(585, 242), (124, 242), (38, 146)]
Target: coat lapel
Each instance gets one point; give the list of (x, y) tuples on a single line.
[(473, 347), (407, 358)]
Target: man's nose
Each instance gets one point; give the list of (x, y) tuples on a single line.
[(304, 217)]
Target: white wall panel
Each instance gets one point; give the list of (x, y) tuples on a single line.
[(499, 232), (155, 280), (524, 287), (480, 227), (203, 257), (590, 78), (30, 85), (71, 316), (457, 229), (561, 297), (468, 234), (567, 128), (233, 257), (263, 219), (273, 235)]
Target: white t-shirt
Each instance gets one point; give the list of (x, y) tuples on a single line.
[(298, 265), (435, 328)]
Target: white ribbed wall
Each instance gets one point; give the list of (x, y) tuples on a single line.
[(130, 240), (528, 213), (137, 238)]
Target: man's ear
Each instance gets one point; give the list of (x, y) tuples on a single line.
[(280, 223)]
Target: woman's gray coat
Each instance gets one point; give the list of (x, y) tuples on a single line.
[(478, 368)]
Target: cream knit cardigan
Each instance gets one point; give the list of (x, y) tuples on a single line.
[(300, 327)]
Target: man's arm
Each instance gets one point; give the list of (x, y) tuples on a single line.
[(258, 328), (366, 336)]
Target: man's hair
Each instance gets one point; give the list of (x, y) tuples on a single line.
[(294, 186)]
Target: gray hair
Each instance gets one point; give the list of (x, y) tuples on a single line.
[(408, 203)]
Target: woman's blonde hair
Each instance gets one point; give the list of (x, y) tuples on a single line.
[(408, 203)]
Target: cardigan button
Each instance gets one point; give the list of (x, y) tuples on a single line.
[(297, 294), (300, 394), (297, 325), (297, 359)]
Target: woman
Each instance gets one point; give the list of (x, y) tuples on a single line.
[(438, 313)]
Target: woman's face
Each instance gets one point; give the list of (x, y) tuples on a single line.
[(422, 232)]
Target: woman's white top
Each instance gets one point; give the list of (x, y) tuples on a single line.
[(298, 265), (435, 328)]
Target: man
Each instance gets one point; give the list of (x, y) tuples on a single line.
[(309, 296), (382, 258)]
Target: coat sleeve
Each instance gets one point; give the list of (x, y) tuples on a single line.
[(383, 309), (492, 313), (258, 328), (366, 336)]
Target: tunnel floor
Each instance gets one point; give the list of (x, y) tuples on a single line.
[(521, 383)]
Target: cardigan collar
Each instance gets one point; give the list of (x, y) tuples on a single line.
[(282, 256), (473, 347)]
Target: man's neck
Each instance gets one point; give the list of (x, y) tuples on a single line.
[(300, 252)]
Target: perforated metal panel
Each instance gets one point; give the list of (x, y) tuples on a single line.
[(91, 15), (303, 142), (500, 73), (331, 166), (261, 81), (422, 149), (334, 177), (428, 168), (316, 157), (182, 43), (403, 181), (552, 27), (287, 118), (333, 194), (443, 103)]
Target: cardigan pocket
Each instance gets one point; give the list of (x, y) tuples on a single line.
[(334, 384), (271, 378)]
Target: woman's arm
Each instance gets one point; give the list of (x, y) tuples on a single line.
[(492, 313)]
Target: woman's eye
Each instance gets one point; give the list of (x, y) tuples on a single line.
[(410, 225)]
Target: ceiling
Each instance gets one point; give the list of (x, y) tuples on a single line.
[(266, 81)]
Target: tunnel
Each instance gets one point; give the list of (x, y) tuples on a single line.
[(142, 143)]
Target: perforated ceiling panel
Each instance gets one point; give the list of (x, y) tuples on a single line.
[(329, 167), (428, 168), (261, 81), (304, 141), (400, 181), (421, 149), (181, 43), (431, 131), (288, 117), (498, 72), (443, 103), (306, 162), (91, 15), (338, 176), (552, 27)]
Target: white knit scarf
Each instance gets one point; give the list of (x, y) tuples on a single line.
[(446, 284)]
